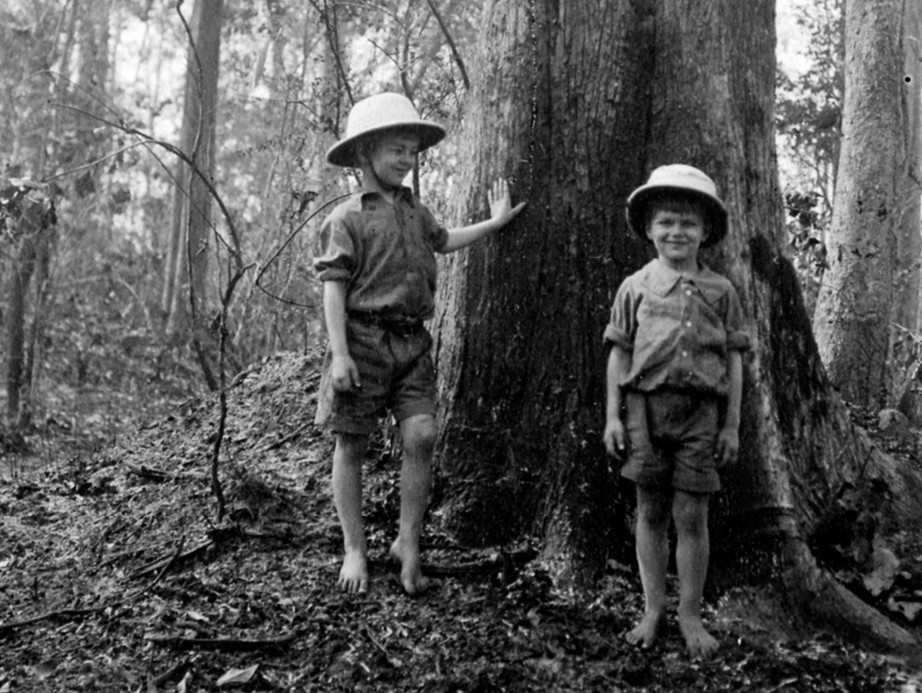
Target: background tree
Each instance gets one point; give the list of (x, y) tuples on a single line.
[(857, 301), (904, 352), (521, 316), (185, 284), (809, 132), (68, 65)]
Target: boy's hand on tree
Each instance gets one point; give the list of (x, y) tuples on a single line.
[(614, 437), (344, 374), (500, 199), (728, 446)]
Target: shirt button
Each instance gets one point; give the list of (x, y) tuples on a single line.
[(688, 292), (685, 354), (688, 323)]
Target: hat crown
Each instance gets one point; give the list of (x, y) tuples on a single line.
[(380, 111), (682, 176)]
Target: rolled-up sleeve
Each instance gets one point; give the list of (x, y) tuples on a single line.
[(735, 325), (622, 325), (334, 257)]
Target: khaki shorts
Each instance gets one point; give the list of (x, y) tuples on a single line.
[(397, 375), (672, 439)]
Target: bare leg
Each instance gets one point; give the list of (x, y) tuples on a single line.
[(653, 561), (415, 481), (347, 496), (690, 512)]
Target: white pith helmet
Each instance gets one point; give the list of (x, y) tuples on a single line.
[(685, 179), (376, 114)]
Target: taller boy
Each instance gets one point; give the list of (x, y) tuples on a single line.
[(376, 258), (676, 334)]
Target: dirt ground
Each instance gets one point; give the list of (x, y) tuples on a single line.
[(115, 575)]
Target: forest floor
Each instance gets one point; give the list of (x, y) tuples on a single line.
[(115, 575)]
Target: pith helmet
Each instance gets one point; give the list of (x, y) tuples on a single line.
[(376, 114), (684, 179)]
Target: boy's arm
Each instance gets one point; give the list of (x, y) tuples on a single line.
[(343, 371), (728, 441), (619, 362), (501, 213)]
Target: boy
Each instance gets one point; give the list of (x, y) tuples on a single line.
[(676, 336), (377, 262)]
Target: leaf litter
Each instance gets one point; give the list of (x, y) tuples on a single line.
[(115, 576)]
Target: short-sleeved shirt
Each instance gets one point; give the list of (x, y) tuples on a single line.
[(678, 329), (385, 253)]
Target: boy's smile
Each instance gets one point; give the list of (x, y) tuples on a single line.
[(393, 158), (677, 235)]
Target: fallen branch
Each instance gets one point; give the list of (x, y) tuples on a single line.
[(160, 476), (508, 562), (170, 674), (173, 558), (286, 439), (166, 566), (393, 661), (225, 644), (57, 613)]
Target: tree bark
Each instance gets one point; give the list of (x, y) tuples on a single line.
[(856, 302), (188, 260), (910, 184), (905, 354), (521, 318), (577, 102)]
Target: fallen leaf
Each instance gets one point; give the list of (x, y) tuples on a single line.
[(237, 677)]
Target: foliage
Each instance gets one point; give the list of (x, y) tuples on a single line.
[(288, 71), (808, 124)]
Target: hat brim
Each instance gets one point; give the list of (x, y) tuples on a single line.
[(717, 223), (343, 152)]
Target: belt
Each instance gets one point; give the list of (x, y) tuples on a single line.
[(394, 323)]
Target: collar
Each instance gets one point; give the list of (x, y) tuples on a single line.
[(661, 279), (403, 193)]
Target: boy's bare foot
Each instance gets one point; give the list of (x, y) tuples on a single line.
[(353, 576), (411, 574), (699, 642), (647, 631)]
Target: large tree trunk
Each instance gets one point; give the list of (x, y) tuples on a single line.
[(519, 338), (578, 101), (856, 302)]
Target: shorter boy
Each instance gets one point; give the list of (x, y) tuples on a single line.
[(675, 367), (377, 263)]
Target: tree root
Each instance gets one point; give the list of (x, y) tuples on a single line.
[(803, 598)]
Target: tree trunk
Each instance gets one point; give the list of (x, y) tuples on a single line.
[(908, 283), (519, 329), (578, 101), (32, 224), (188, 260), (910, 183), (856, 302)]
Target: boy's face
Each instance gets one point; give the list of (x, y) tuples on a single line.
[(677, 233), (393, 157)]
